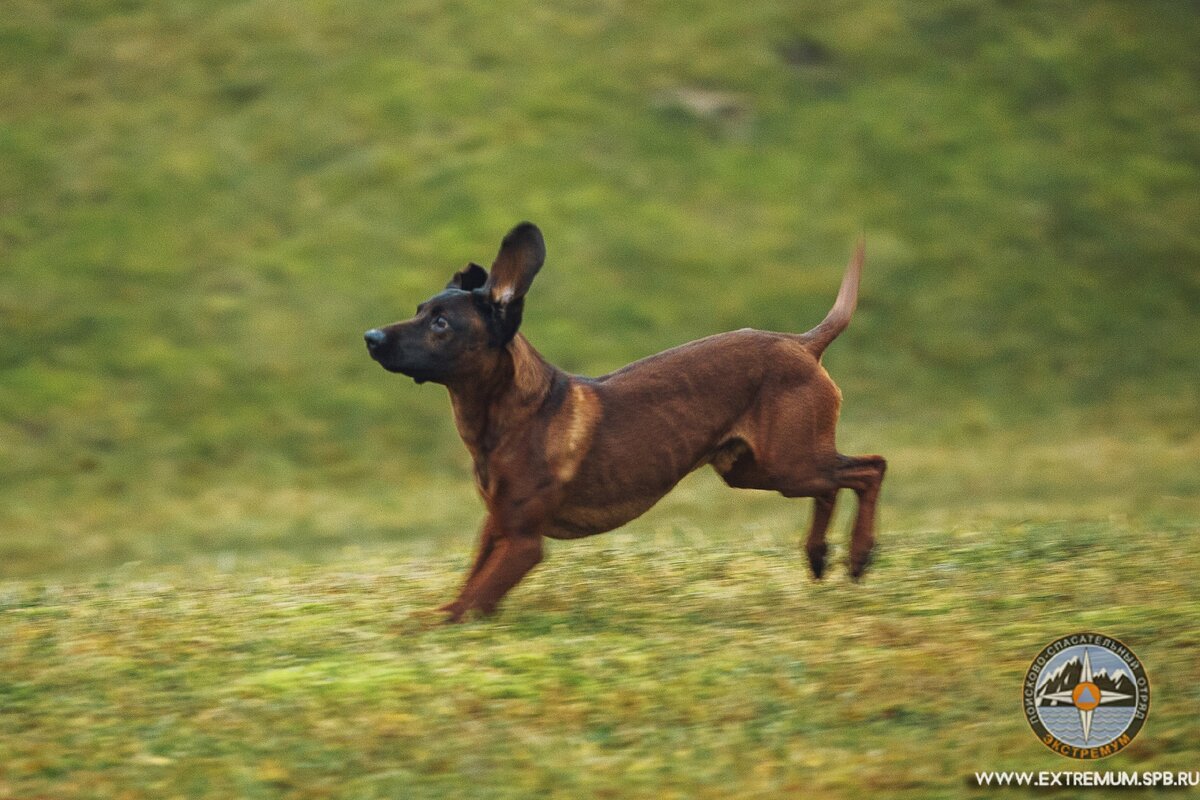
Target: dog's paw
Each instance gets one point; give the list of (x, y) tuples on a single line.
[(427, 618), (452, 613), (816, 559), (859, 564)]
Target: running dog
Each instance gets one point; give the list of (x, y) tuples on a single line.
[(565, 456)]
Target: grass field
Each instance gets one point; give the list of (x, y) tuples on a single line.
[(667, 667), (219, 520)]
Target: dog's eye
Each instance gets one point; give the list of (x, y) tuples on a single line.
[(440, 324)]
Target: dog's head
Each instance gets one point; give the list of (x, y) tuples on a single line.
[(460, 331)]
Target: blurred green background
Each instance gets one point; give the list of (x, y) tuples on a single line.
[(202, 205)]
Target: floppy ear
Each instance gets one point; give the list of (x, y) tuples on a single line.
[(521, 255), (469, 278)]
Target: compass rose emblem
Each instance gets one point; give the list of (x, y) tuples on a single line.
[(1086, 695)]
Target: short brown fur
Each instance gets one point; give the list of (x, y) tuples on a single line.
[(564, 456)]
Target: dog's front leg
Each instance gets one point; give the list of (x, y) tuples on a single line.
[(487, 542), (510, 545), (509, 558)]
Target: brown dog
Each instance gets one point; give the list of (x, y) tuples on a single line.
[(563, 456)]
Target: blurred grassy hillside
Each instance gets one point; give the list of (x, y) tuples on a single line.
[(203, 204)]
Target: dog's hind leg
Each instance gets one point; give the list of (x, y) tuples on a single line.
[(815, 545), (739, 468), (792, 478), (863, 474)]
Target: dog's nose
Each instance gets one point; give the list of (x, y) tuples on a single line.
[(374, 337)]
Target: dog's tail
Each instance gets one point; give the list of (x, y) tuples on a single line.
[(847, 298)]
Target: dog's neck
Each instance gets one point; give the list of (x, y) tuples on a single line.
[(490, 406)]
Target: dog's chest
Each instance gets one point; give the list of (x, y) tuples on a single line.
[(575, 521)]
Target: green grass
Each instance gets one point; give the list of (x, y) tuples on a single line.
[(217, 515), (668, 666)]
